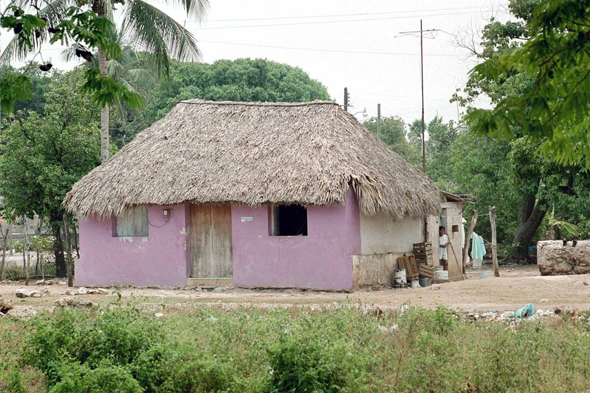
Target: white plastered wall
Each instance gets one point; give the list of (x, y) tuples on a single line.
[(380, 234)]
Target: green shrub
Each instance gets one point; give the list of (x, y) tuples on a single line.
[(106, 378), (18, 246), (13, 273), (312, 361), (119, 334)]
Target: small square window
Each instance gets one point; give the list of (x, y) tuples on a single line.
[(132, 223), (455, 228), (288, 220)]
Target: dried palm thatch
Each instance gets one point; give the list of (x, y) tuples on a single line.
[(255, 153)]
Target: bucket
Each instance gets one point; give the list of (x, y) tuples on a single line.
[(399, 278), (415, 284), (425, 281), (442, 274)]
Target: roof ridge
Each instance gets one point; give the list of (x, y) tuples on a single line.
[(245, 103)]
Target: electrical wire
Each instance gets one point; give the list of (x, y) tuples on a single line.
[(346, 15), (323, 50), (331, 21)]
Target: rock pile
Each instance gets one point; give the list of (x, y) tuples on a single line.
[(556, 257), (5, 305)]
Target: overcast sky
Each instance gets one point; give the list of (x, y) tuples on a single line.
[(348, 43)]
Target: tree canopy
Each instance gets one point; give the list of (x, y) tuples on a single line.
[(223, 80), (549, 48)]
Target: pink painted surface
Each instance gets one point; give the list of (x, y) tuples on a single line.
[(159, 259), (321, 260)]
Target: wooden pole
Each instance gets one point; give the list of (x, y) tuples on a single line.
[(494, 241), (456, 259), (468, 237), (5, 243), (69, 252), (26, 255)]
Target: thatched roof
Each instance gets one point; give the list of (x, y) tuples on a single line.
[(255, 153)]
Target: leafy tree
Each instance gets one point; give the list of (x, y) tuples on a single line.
[(393, 132), (554, 55), (43, 156), (224, 80), (515, 174), (62, 22)]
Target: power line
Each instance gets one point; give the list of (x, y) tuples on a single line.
[(324, 50), (345, 15), (330, 21)]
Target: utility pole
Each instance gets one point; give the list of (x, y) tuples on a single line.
[(379, 120), (422, 79), (346, 99), (414, 33)]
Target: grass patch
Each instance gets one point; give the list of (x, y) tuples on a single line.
[(118, 348)]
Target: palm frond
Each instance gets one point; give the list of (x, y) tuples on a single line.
[(156, 32), (193, 8), (53, 12)]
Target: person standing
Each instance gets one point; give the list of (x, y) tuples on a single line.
[(443, 244)]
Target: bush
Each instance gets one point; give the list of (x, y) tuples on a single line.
[(13, 273), (120, 334), (105, 378), (312, 361)]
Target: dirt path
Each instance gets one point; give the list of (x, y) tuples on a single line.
[(516, 287)]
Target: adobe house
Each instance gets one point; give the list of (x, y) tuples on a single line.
[(252, 194)]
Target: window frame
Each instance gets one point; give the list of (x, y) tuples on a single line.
[(132, 228)]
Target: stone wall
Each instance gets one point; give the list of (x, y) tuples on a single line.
[(553, 257)]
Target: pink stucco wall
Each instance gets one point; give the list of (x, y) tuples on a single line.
[(321, 260), (159, 259)]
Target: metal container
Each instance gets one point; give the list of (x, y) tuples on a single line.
[(425, 282), (415, 284)]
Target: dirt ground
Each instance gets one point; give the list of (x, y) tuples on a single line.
[(518, 285)]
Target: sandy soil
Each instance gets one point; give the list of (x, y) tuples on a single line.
[(517, 286)]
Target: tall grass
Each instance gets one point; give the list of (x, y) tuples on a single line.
[(208, 349)]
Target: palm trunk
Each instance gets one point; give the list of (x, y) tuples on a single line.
[(104, 113)]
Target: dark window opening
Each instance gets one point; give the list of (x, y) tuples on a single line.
[(289, 220), (455, 228)]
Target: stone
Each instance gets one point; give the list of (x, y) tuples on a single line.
[(219, 289), (21, 293), (555, 258), (82, 291), (585, 283), (36, 294), (96, 291), (44, 282), (5, 305), (73, 302), (158, 315)]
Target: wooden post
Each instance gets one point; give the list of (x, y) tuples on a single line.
[(26, 255), (494, 241), (5, 243), (468, 237), (69, 252)]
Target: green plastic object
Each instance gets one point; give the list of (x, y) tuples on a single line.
[(524, 312)]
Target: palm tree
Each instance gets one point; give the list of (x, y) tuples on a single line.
[(149, 28)]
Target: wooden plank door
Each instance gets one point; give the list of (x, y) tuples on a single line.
[(210, 241)]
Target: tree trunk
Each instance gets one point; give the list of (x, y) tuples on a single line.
[(10, 239), (104, 113), (58, 250), (4, 244), (69, 251), (75, 236), (530, 217)]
